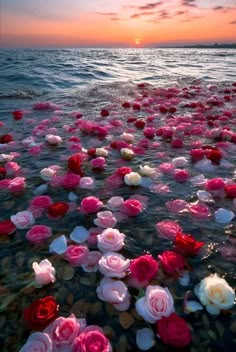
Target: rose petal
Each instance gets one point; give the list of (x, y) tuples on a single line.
[(59, 245)]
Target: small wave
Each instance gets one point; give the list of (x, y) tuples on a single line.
[(25, 93)]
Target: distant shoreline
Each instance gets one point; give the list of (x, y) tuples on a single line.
[(199, 46)]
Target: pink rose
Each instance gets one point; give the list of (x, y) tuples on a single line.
[(110, 240), (98, 163), (86, 183), (90, 205), (166, 168), (197, 154), (215, 186), (76, 255), (53, 139), (131, 207), (17, 184), (172, 262), (38, 341), (70, 180), (181, 175), (177, 206), (63, 332), (142, 270), (44, 272), (41, 202), (157, 303), (199, 211), (114, 203), (91, 262), (168, 229), (38, 233), (113, 265), (23, 219), (105, 219), (12, 167), (115, 292), (92, 339)]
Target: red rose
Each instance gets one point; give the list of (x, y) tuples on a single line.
[(104, 113), (143, 269), (2, 172), (123, 170), (74, 163), (17, 114), (92, 152), (58, 209), (6, 138), (230, 191), (186, 245), (214, 155), (41, 313), (174, 331), (7, 227), (173, 263)]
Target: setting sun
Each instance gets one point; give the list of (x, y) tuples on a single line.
[(137, 41)]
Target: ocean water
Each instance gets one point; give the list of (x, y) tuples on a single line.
[(85, 81)]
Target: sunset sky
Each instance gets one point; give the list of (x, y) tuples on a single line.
[(119, 23)]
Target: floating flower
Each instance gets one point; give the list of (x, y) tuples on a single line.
[(38, 341), (147, 171), (76, 255), (38, 233), (86, 183), (230, 191), (74, 163), (92, 261), (215, 293), (199, 211), (53, 139), (101, 152), (142, 270), (44, 272), (223, 216), (127, 153), (114, 203), (156, 304), (90, 205), (47, 173), (128, 137), (98, 163), (186, 244), (58, 210), (133, 179), (41, 313), (115, 292), (41, 202), (113, 265), (168, 229), (110, 240), (131, 207), (92, 339), (17, 184), (58, 245), (105, 219), (79, 234), (23, 219), (173, 263), (7, 227), (181, 175)]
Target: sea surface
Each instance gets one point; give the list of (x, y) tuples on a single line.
[(86, 81)]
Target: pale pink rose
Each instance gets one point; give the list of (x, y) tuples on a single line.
[(115, 292), (12, 167), (44, 272), (177, 206), (114, 203), (86, 183), (90, 205), (168, 229), (63, 332), (92, 339), (41, 202), (131, 207), (166, 168), (76, 255), (53, 139), (17, 184), (23, 219), (92, 239), (98, 163), (105, 219), (110, 240), (91, 262), (47, 173), (38, 233), (113, 265), (157, 303), (70, 180), (38, 342), (199, 211)]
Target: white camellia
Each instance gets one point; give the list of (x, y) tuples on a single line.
[(127, 153), (146, 170), (215, 293), (133, 179)]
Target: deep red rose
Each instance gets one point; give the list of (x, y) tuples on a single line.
[(172, 262), (174, 331), (143, 269), (58, 209), (123, 170), (163, 109), (41, 313), (230, 191), (92, 152), (140, 124), (186, 245), (6, 138), (105, 112), (136, 106), (7, 227), (214, 155), (126, 105), (74, 163), (131, 119), (2, 172), (17, 114)]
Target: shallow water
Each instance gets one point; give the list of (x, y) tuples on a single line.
[(86, 80)]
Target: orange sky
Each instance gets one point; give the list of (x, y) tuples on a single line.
[(57, 23)]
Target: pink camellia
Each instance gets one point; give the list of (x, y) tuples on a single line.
[(172, 262), (38, 233), (142, 270), (90, 205), (41, 202), (199, 211), (12, 167), (91, 262), (113, 265), (181, 175), (105, 219), (64, 331), (177, 206), (98, 163), (44, 272), (23, 219), (115, 292), (110, 240), (131, 207), (157, 303), (76, 255), (17, 184), (38, 341), (92, 339), (168, 229)]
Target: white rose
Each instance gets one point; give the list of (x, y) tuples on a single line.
[(215, 293), (47, 174), (146, 170), (127, 153), (180, 161), (133, 179), (101, 152), (128, 137)]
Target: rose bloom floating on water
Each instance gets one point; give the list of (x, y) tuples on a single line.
[(105, 219), (172, 263), (44, 272), (90, 205), (110, 240), (147, 171), (142, 270), (133, 179), (38, 233), (127, 153), (53, 139), (113, 264), (47, 174), (23, 219), (131, 207), (215, 293), (168, 229)]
